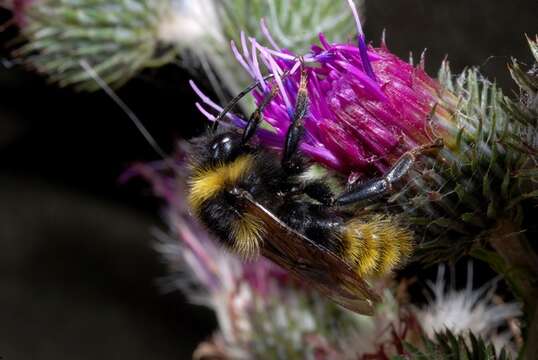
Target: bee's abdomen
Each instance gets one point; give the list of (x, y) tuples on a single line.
[(375, 245)]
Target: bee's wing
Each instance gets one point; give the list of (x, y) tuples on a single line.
[(310, 262)]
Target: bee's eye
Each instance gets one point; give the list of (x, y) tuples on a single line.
[(224, 148)]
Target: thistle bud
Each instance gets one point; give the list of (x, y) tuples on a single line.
[(120, 38)]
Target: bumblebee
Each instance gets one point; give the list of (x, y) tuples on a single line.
[(258, 202)]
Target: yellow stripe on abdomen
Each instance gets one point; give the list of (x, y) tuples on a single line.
[(375, 245)]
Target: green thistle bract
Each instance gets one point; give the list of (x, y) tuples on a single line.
[(485, 175), (475, 198), (446, 346), (117, 38)]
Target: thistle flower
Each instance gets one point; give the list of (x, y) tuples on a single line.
[(469, 311), (217, 22), (293, 23), (366, 106), (475, 199), (117, 38)]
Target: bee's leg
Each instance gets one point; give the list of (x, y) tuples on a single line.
[(296, 130), (257, 116), (377, 187)]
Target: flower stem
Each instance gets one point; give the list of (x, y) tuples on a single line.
[(521, 271)]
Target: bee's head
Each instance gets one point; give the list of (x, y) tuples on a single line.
[(225, 147)]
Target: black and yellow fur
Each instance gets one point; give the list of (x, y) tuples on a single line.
[(226, 164), (371, 245)]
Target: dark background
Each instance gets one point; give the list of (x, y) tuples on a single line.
[(77, 268)]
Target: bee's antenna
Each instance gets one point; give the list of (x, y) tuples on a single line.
[(236, 99), (239, 96), (130, 113)]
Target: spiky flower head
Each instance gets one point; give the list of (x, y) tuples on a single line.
[(474, 196), (202, 31), (118, 39), (293, 23), (470, 311), (366, 106)]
